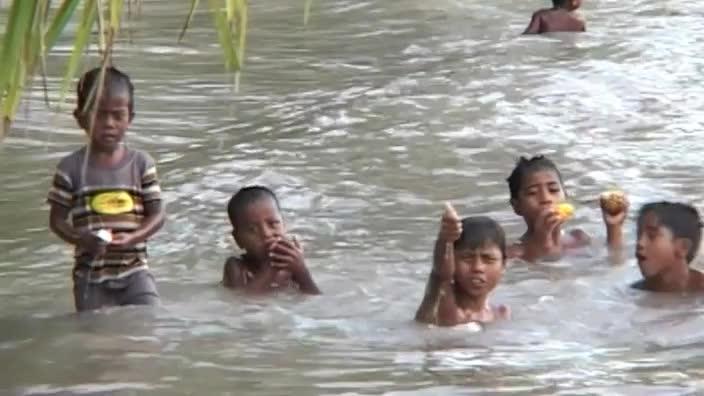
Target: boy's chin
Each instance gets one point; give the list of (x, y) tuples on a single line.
[(107, 146), (475, 291)]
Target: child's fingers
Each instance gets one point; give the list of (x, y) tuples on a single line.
[(451, 224), (284, 249), (553, 220), (449, 252), (287, 244), (297, 244), (450, 210), (277, 264), (449, 215), (279, 260), (272, 245)]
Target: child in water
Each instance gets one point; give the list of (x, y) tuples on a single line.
[(536, 188), (468, 262), (559, 18), (271, 260), (105, 199), (668, 240)]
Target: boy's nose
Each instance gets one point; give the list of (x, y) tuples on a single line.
[(477, 266), (270, 233), (546, 198), (640, 242), (109, 119), (546, 203)]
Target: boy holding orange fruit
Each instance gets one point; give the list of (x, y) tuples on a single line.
[(537, 195)]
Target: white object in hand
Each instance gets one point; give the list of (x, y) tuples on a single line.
[(105, 235)]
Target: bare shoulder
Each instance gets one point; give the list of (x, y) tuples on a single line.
[(234, 262), (541, 12), (232, 272), (578, 238), (536, 22), (502, 311), (696, 280), (514, 251)]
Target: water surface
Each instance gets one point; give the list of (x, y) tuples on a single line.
[(364, 123)]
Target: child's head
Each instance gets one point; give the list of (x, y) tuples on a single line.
[(535, 184), (256, 220), (570, 5), (668, 234), (480, 255), (114, 111)]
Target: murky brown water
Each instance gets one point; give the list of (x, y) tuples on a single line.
[(364, 123)]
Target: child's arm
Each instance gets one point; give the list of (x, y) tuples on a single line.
[(234, 277), (534, 25), (153, 208), (614, 217), (439, 305), (545, 239), (59, 225), (151, 223), (61, 200), (288, 255)]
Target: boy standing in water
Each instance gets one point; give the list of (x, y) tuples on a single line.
[(668, 239), (536, 188), (468, 262), (105, 199), (559, 18), (271, 261)]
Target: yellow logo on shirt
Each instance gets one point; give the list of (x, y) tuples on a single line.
[(112, 203)]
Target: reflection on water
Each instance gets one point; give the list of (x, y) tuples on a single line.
[(364, 122)]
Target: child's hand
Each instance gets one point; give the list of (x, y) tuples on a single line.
[(614, 208), (615, 220), (92, 243), (123, 239), (444, 253), (286, 254), (450, 225), (546, 227)]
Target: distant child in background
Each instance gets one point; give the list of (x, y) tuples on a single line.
[(106, 201), (559, 18), (536, 190), (668, 240), (271, 260), (469, 260)]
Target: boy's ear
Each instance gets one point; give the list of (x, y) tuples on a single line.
[(682, 247), (79, 118), (236, 238), (514, 205)]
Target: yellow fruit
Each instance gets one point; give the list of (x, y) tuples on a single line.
[(613, 202), (565, 210)]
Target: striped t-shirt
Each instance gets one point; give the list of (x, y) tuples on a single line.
[(106, 198)]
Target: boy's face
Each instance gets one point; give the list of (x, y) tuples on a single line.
[(478, 271), (258, 227), (540, 190), (657, 249), (112, 119)]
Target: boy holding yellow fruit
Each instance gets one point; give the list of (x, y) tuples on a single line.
[(537, 195)]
